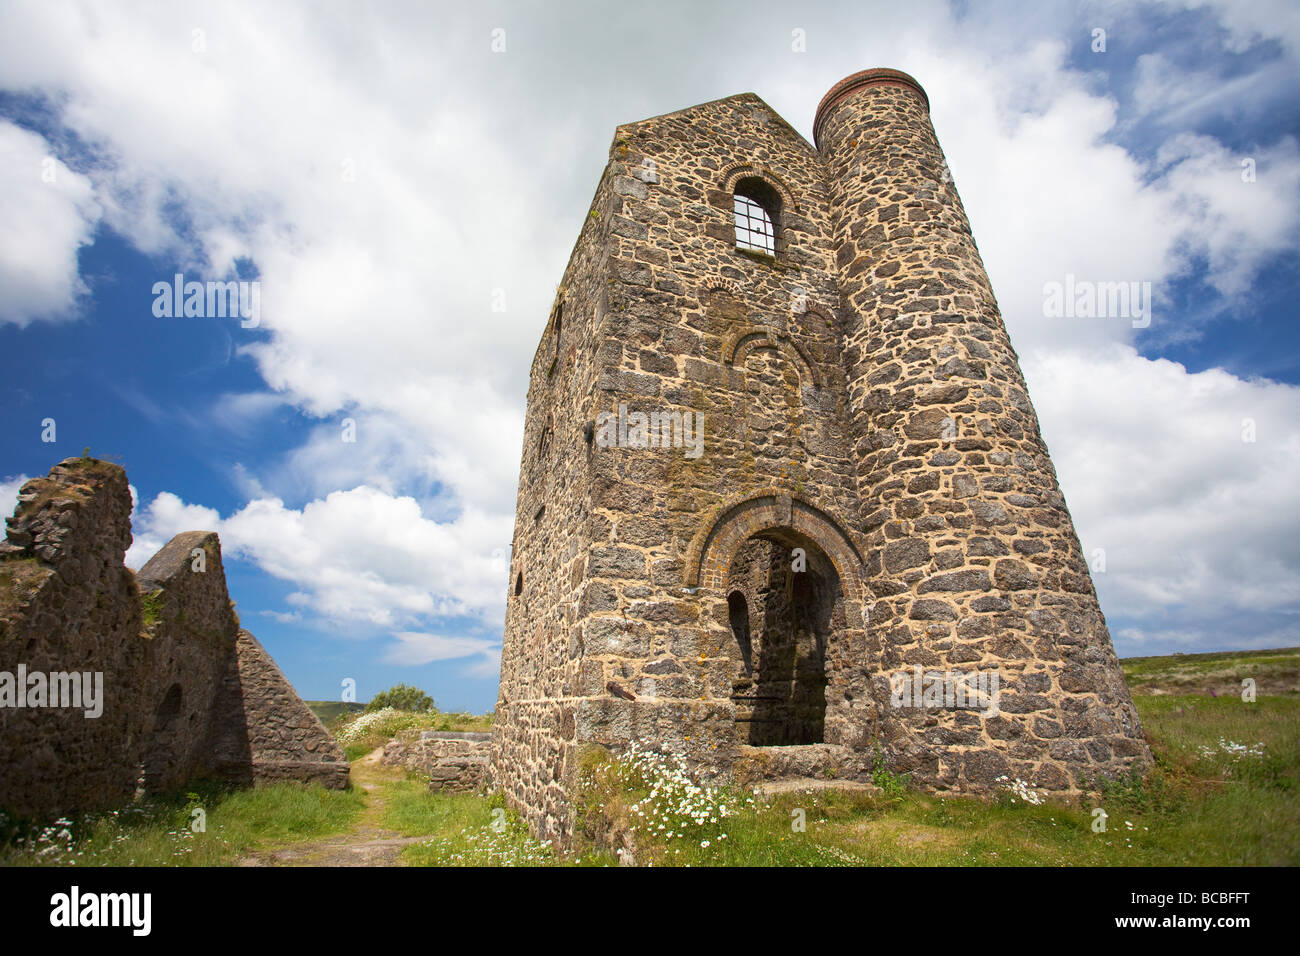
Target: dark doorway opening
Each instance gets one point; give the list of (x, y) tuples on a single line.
[(783, 596)]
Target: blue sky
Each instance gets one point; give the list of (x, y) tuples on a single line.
[(387, 176)]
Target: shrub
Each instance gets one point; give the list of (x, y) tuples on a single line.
[(402, 697)]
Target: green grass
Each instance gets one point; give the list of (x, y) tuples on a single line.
[(158, 831), (465, 830), (151, 604), (1225, 790), (1206, 803), (331, 710)]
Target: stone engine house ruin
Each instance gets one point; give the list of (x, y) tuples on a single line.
[(185, 692), (872, 501)]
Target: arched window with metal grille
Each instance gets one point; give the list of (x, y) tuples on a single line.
[(757, 207)]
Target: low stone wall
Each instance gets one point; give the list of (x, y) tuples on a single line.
[(454, 762), (754, 765)]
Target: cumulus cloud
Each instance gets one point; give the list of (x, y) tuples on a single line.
[(1237, 210), (1182, 483), (47, 213), (1050, 194), (358, 555)]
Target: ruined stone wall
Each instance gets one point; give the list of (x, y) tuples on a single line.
[(165, 644), (190, 628), (68, 605)]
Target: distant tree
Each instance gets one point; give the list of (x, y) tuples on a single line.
[(402, 697)]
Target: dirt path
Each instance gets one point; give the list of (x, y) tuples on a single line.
[(366, 844)]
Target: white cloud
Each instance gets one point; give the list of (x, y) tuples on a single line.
[(1171, 94), (1234, 222), (290, 617), (1245, 24), (164, 518), (1049, 195), (379, 206), (1155, 470), (413, 649), (47, 213), (355, 556), (9, 488)]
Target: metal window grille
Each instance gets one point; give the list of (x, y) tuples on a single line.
[(754, 228)]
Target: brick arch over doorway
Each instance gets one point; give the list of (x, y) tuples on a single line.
[(714, 546)]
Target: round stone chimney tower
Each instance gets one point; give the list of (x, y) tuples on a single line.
[(973, 562)]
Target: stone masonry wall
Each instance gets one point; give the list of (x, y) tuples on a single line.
[(67, 604), (747, 342), (453, 761), (191, 629), (534, 733), (973, 557), (261, 731)]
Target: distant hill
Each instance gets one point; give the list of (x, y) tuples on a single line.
[(328, 710), (1275, 671)]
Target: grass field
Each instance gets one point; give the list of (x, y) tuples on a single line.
[(1274, 672), (166, 831), (1225, 791)]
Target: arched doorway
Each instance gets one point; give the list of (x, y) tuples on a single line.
[(785, 607)]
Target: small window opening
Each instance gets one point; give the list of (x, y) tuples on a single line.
[(756, 209), (519, 584), (544, 440), (558, 325)]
